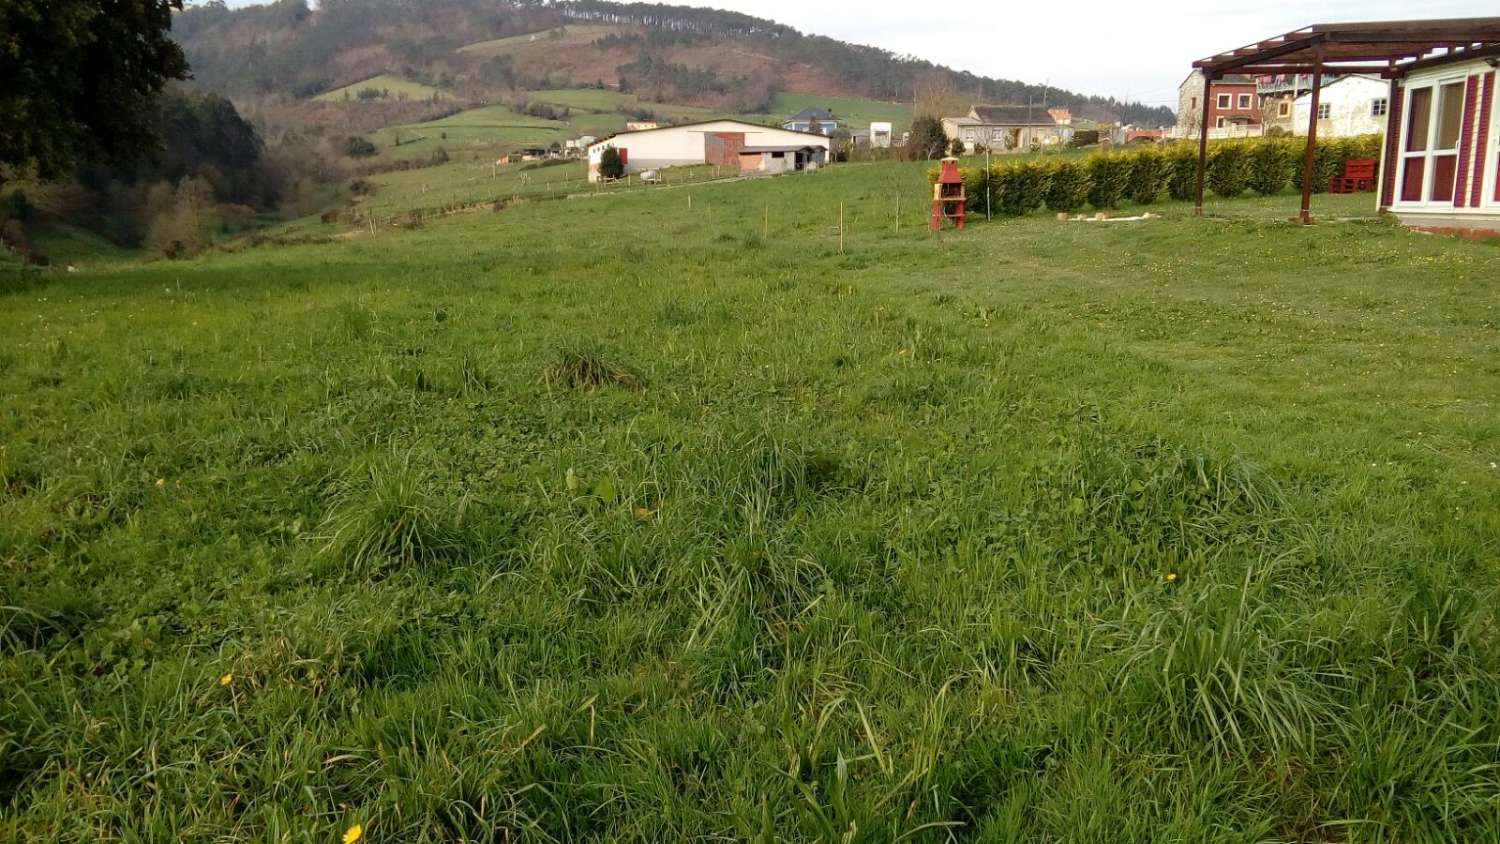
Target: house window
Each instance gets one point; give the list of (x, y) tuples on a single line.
[(1244, 101), (1325, 111), (1224, 100), (1434, 125), (1220, 123), (1378, 107), (1285, 109), (1193, 103)]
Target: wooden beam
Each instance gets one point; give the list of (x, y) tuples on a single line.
[(1308, 158), (1208, 84)]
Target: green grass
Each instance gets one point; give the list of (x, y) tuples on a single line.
[(475, 134), (568, 37), (612, 519), (398, 87), (851, 112)]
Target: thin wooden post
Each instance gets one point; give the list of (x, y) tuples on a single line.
[(1208, 82), (765, 233), (1309, 163), (841, 228), (898, 212)]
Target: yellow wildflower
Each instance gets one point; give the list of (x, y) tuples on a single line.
[(1171, 577), (353, 834), (226, 679)]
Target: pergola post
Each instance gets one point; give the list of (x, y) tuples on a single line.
[(1308, 157), (1208, 82), (1389, 151)]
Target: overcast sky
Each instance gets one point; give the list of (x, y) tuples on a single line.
[(1137, 51)]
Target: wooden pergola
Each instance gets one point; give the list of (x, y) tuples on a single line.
[(1389, 49)]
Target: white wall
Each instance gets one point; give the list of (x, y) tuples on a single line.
[(684, 145), (1349, 104)]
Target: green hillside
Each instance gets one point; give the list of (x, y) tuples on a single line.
[(389, 86)]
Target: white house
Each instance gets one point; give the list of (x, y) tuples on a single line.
[(710, 142), (1442, 151), (880, 135), (1348, 106), (819, 120)]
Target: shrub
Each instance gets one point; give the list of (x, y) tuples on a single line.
[(1084, 138), (1147, 177), (16, 206), (1228, 170), (358, 147), (1067, 186), (1270, 166), (1109, 179), (1182, 171), (611, 165), (1022, 188)]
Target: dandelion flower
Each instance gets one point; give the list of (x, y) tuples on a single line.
[(161, 482), (353, 834), (1171, 577), (226, 679)]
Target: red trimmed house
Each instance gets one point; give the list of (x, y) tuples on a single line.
[(1442, 155), (1233, 103)]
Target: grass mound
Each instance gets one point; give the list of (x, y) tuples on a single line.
[(583, 367), (387, 513)]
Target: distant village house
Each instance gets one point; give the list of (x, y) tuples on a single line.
[(1008, 127), (819, 121), (717, 142)]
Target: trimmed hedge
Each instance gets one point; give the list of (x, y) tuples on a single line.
[(1104, 179)]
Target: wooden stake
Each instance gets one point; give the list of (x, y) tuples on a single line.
[(766, 227), (841, 228), (898, 212)]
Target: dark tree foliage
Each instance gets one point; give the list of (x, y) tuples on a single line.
[(78, 77), (202, 135), (611, 165), (927, 138)]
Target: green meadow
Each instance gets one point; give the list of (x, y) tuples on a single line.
[(394, 86), (689, 514)]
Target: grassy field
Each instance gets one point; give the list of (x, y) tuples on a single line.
[(561, 38), (478, 133), (851, 112), (398, 87), (616, 519)]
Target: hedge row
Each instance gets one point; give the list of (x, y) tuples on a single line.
[(1141, 175)]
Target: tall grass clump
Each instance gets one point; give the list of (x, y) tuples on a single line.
[(388, 513), (586, 367)]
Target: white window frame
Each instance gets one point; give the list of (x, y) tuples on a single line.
[(1219, 124), (1325, 111), (1380, 106), (1225, 101), (1492, 161), (1284, 109), (1245, 102), (1435, 84)]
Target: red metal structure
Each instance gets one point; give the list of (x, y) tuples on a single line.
[(1390, 49), (948, 199)]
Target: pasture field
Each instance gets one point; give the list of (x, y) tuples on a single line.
[(567, 37), (608, 519), (851, 112), (477, 133), (399, 87)]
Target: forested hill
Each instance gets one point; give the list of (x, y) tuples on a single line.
[(704, 56)]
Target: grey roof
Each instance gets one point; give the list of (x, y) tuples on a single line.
[(1014, 115)]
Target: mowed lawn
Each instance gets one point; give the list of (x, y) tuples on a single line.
[(620, 519)]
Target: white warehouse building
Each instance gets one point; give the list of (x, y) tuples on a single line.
[(710, 142)]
